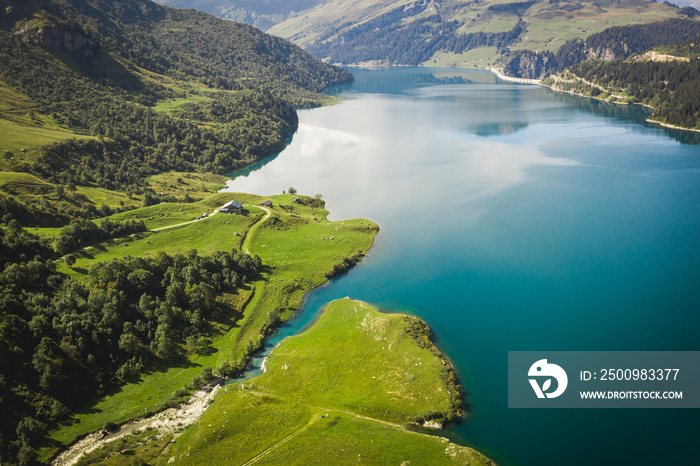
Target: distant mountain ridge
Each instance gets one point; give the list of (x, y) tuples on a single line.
[(614, 43), (437, 33)]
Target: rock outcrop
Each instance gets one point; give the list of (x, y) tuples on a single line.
[(58, 36)]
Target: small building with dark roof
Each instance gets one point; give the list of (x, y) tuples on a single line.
[(266, 204), (232, 207)]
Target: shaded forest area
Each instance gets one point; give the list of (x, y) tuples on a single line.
[(63, 341)]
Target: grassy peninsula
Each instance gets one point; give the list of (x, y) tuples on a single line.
[(347, 388)]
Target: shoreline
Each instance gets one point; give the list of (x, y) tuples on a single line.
[(502, 76), (648, 120), (669, 125)]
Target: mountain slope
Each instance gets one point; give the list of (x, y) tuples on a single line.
[(441, 33)]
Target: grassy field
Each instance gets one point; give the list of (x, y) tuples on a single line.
[(169, 106), (15, 138), (311, 405), (12, 179), (29, 188), (22, 131), (197, 185), (206, 236), (550, 33), (279, 289), (482, 57), (376, 370), (349, 440)]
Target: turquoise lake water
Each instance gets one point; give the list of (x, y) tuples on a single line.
[(513, 218)]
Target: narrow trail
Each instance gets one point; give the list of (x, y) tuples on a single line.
[(314, 420), (324, 409), (185, 223), (85, 248), (254, 228), (280, 443)]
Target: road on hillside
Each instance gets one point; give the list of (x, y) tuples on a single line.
[(186, 223), (254, 228)]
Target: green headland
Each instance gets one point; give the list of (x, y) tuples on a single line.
[(349, 388)]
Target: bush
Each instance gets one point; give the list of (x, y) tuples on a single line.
[(110, 426)]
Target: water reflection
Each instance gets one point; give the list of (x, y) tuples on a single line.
[(635, 114), (498, 129), (400, 80), (383, 157)]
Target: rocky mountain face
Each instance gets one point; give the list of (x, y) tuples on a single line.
[(262, 14), (611, 44), (59, 37)]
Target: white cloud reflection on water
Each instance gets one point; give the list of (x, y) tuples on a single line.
[(379, 157)]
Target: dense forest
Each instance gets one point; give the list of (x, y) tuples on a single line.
[(62, 341)]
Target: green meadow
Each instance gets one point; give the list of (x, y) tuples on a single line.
[(197, 185), (361, 360)]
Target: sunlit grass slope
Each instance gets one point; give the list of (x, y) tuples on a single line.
[(330, 391)]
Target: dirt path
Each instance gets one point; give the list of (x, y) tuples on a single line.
[(171, 420), (185, 223), (254, 228), (135, 234)]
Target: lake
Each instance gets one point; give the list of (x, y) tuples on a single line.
[(513, 218)]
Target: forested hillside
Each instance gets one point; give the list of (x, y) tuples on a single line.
[(613, 43), (101, 71), (62, 340), (665, 78)]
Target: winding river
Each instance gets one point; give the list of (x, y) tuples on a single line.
[(513, 218)]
